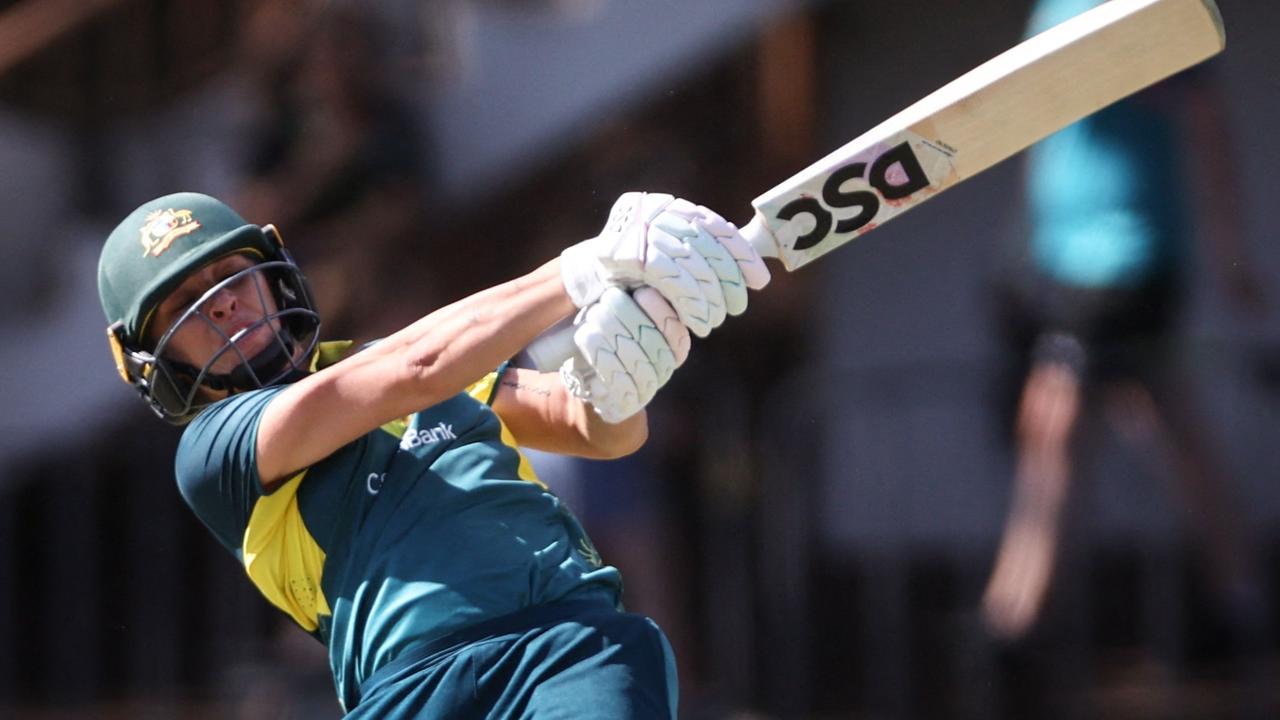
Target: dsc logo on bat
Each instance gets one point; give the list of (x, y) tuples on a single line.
[(893, 175)]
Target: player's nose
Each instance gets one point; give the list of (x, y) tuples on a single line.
[(222, 304)]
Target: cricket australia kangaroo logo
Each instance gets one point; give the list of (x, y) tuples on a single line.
[(162, 227), (589, 553)]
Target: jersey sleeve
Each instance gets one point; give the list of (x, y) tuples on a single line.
[(217, 465)]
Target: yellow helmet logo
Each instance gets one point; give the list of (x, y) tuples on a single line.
[(162, 227)]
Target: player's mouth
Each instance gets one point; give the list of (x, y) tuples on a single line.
[(252, 338)]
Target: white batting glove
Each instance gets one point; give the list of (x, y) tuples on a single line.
[(694, 257), (628, 347)]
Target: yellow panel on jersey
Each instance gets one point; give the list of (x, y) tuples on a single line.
[(524, 471), (282, 559), (397, 428), (485, 390), (330, 352), (482, 390)]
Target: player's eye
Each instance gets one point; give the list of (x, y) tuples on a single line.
[(180, 303)]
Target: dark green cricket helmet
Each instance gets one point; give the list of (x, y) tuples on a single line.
[(150, 254)]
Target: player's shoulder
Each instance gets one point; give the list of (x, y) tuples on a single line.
[(244, 408), (216, 463), (229, 421)]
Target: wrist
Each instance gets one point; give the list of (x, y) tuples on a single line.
[(580, 274)]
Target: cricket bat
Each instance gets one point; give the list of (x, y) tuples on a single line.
[(977, 120)]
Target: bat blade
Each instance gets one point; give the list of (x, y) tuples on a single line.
[(981, 118)]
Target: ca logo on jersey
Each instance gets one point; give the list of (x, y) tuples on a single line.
[(589, 553)]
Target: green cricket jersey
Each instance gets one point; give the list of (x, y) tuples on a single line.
[(418, 529)]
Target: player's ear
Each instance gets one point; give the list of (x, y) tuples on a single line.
[(166, 387)]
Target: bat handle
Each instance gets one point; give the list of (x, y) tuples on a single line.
[(548, 351), (758, 234)]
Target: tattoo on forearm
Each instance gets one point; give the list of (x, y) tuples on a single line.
[(523, 386)]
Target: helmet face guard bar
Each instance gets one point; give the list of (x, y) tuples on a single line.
[(177, 390)]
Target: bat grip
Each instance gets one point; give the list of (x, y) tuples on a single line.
[(758, 234), (548, 351)]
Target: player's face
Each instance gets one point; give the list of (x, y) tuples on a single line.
[(232, 309)]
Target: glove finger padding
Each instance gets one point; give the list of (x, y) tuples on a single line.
[(752, 267), (683, 221), (755, 273), (698, 261), (686, 280), (668, 321), (618, 322), (726, 268), (624, 354)]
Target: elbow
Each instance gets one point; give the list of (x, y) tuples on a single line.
[(421, 380)]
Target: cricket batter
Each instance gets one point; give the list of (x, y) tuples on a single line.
[(377, 495)]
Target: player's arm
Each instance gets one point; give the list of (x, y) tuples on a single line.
[(542, 414), (419, 366), (629, 344), (439, 355)]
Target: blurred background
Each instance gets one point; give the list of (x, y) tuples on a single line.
[(819, 508)]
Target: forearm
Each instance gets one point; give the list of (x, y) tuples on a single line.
[(450, 348), (415, 368), (606, 441), (543, 415)]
